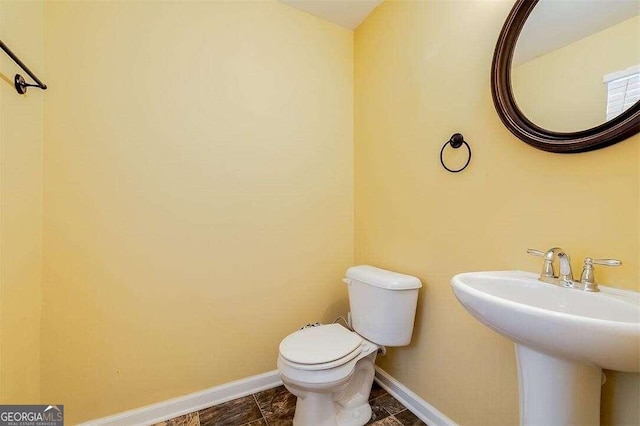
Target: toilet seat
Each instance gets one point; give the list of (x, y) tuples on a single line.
[(321, 348)]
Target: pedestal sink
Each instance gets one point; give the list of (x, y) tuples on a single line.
[(563, 338)]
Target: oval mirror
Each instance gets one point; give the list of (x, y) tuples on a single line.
[(566, 74)]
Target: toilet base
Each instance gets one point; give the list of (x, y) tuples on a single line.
[(356, 416), (320, 409)]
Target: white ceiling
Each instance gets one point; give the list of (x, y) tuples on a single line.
[(346, 13), (552, 24), (557, 23)]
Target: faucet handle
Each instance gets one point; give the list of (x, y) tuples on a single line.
[(605, 262), (587, 279), (548, 273)]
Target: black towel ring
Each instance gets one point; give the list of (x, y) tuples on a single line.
[(456, 141)]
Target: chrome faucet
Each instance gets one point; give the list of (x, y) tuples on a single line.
[(565, 276)]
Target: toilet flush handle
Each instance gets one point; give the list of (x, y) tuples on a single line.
[(347, 281)]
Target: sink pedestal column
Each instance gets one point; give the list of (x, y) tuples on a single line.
[(555, 391)]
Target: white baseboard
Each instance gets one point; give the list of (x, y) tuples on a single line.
[(217, 395), (193, 402), (418, 406)]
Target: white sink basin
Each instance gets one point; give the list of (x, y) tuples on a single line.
[(564, 337), (599, 328)]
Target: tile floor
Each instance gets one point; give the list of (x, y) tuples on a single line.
[(275, 407)]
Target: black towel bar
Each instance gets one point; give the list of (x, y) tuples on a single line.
[(18, 81)]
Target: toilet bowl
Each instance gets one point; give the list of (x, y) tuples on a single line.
[(331, 377), (330, 368)]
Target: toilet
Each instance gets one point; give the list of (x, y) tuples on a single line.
[(330, 368)]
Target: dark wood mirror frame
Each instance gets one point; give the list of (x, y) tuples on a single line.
[(613, 131)]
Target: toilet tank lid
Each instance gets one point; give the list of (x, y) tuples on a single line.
[(382, 278)]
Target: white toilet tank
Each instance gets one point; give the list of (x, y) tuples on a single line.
[(383, 304)]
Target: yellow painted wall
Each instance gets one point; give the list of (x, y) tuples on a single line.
[(199, 205), (21, 26), (422, 73), (564, 89), (198, 194)]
